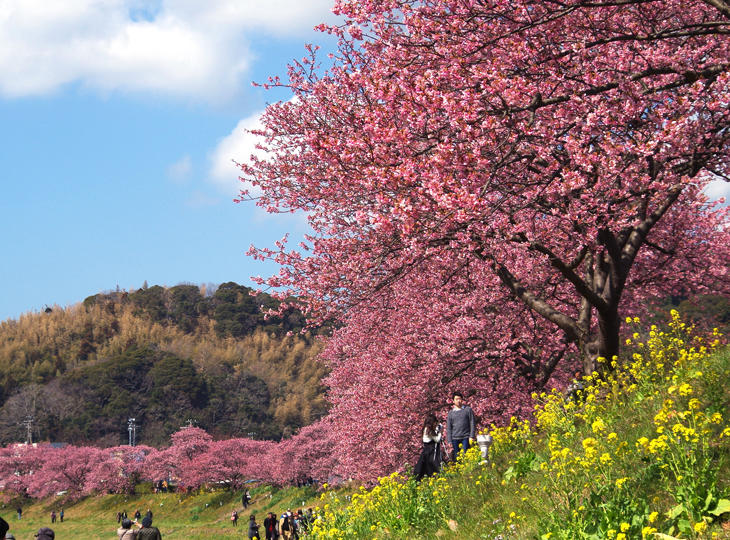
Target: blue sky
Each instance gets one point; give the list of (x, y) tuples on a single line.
[(118, 124)]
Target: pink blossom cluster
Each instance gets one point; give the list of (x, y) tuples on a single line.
[(192, 460)]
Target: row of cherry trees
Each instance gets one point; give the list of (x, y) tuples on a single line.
[(493, 186), (192, 460)]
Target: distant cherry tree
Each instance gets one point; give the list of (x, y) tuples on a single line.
[(176, 461), (64, 469), (119, 470)]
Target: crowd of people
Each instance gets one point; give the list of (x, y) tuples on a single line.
[(289, 526)]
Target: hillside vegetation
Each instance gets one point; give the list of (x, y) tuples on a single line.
[(163, 356), (642, 453)]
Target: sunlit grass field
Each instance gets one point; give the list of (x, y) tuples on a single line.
[(198, 516)]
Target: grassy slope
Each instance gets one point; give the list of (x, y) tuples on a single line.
[(200, 516), (646, 455)]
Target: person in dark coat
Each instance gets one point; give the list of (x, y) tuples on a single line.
[(253, 528), (44, 533), (429, 462), (148, 532), (270, 527)]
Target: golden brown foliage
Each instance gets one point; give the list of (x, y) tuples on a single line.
[(39, 347)]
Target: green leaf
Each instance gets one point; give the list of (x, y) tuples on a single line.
[(676, 511), (723, 505), (684, 526), (708, 502)]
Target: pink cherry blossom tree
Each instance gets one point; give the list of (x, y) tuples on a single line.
[(492, 186), (17, 463), (551, 142), (119, 470), (176, 461), (307, 454), (231, 462), (63, 469)]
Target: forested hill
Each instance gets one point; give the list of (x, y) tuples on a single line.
[(163, 356)]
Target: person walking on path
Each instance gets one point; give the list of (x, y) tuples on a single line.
[(60, 515), (53, 516), (127, 531), (148, 532), (460, 426), (270, 527), (253, 528), (286, 526), (234, 518), (429, 461), (20, 512)]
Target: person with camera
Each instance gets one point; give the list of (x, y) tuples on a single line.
[(429, 461)]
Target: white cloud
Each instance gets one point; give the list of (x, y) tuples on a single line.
[(238, 146), (175, 47), (180, 171), (717, 189)]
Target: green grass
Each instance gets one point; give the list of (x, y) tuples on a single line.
[(198, 516)]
